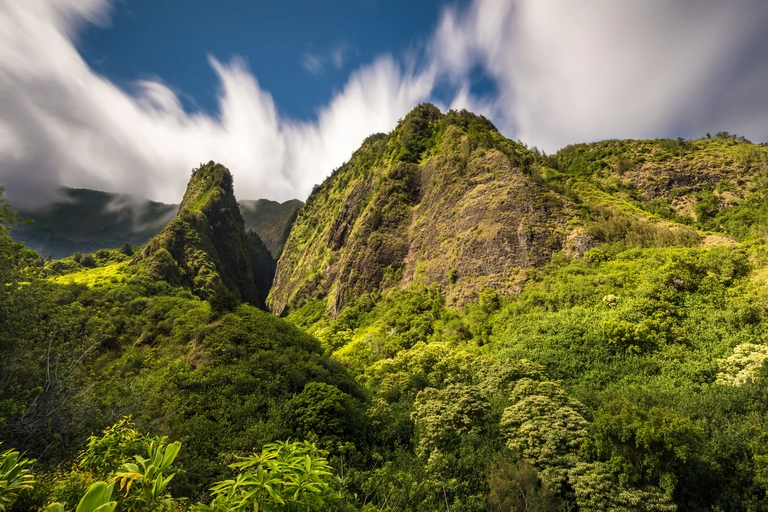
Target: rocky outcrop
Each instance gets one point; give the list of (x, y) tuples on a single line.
[(442, 199)]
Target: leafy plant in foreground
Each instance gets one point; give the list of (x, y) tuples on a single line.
[(147, 473), (293, 476), (96, 499), (15, 477)]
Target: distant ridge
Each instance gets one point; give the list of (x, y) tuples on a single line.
[(271, 220), (87, 220)]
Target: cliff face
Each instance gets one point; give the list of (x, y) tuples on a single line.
[(206, 247), (442, 199), (271, 220)]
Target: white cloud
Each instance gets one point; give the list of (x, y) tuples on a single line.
[(564, 72), (579, 71), (65, 124)]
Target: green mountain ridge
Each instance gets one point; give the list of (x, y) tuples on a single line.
[(442, 199), (446, 199)]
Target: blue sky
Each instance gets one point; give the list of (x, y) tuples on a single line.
[(129, 95), (302, 52)]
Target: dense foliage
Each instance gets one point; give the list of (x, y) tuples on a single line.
[(623, 371)]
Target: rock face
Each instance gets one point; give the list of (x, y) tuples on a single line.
[(442, 199), (206, 247)]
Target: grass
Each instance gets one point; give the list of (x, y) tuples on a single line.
[(96, 277)]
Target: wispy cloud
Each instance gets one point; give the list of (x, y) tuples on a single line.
[(313, 64), (316, 63), (564, 72), (579, 71)]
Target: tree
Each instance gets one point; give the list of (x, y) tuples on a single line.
[(651, 445), (545, 426), (596, 488), (517, 488), (442, 417)]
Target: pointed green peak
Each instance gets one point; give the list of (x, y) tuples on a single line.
[(206, 247), (419, 131), (210, 183)]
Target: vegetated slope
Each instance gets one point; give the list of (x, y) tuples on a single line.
[(87, 220), (206, 247), (446, 199), (271, 220), (714, 184), (84, 343), (650, 340), (442, 199)]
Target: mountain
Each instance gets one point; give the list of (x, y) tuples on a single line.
[(445, 199), (271, 220), (206, 248), (87, 220), (442, 199), (469, 324)]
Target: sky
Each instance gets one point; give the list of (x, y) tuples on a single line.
[(129, 96)]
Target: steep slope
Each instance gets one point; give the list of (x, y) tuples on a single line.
[(87, 220), (443, 198), (271, 220), (206, 247)]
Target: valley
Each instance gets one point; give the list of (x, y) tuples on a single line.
[(451, 321)]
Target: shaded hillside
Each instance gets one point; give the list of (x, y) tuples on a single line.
[(271, 220), (442, 199), (87, 220), (206, 248)]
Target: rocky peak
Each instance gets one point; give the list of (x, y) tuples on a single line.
[(206, 247)]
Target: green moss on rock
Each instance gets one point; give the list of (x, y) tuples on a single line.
[(206, 247)]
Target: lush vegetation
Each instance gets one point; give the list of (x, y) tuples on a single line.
[(615, 360), (206, 249)]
